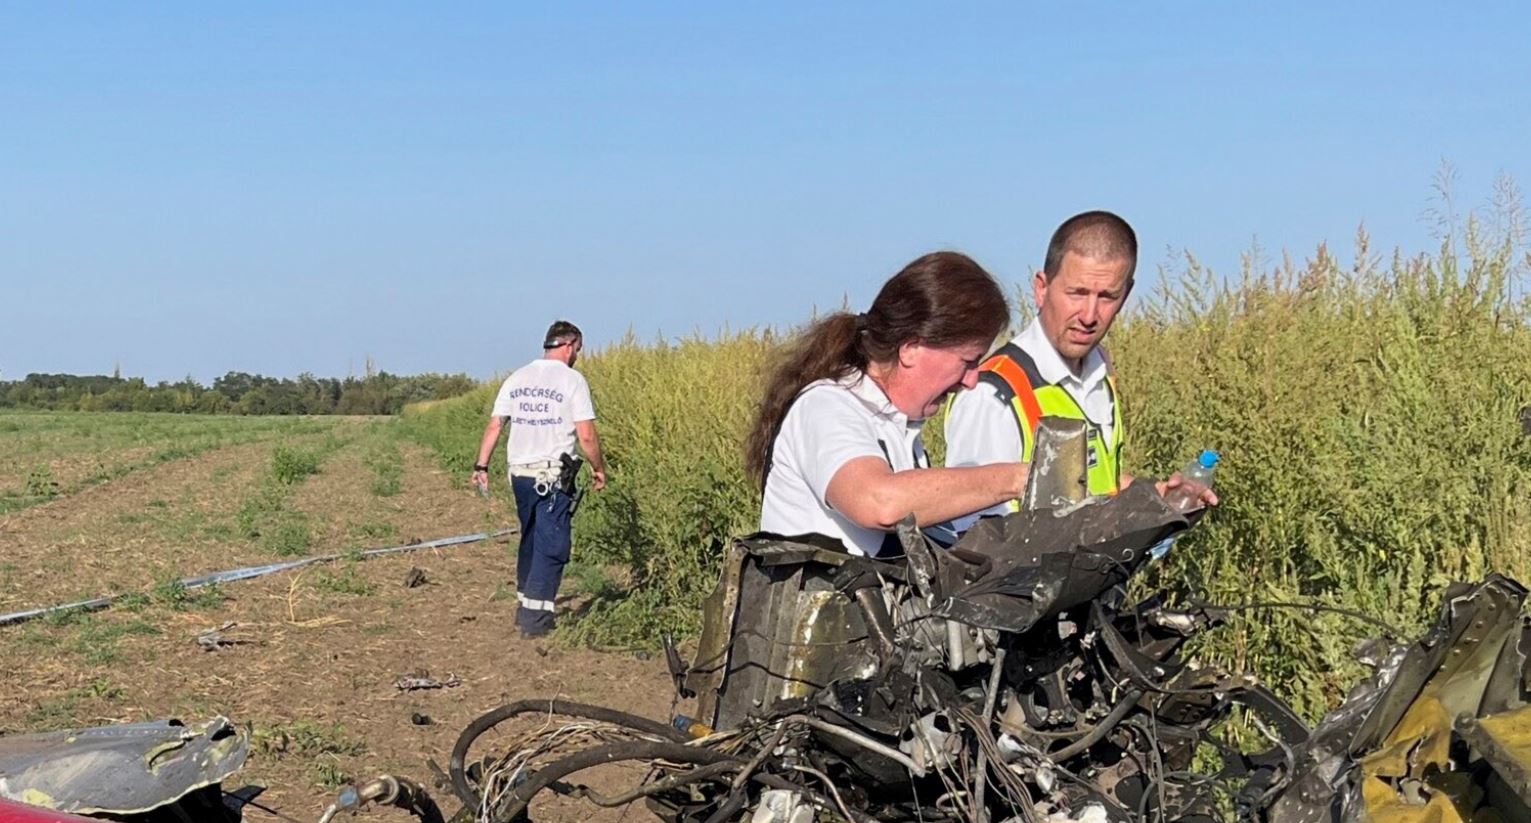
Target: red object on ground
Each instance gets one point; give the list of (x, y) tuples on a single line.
[(13, 812)]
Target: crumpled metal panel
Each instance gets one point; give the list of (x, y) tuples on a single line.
[(1059, 464), (123, 769), (1007, 573), (1385, 755), (1504, 742), (799, 632)]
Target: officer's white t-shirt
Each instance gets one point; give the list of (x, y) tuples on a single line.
[(981, 428), (542, 401), (830, 424)]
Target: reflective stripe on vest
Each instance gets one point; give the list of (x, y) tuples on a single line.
[(1017, 381)]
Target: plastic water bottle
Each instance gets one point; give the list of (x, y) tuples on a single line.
[(691, 726), (1198, 474), (1187, 496)]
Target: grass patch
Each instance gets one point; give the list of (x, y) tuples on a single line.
[(290, 537), (344, 582), (60, 712), (374, 529), (266, 518), (94, 638), (321, 744), (174, 595), (291, 465), (264, 504), (387, 465), (41, 483), (598, 581), (120, 444), (97, 641)]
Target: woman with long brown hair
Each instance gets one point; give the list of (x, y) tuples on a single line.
[(836, 445)]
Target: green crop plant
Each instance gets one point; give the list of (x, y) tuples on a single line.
[(290, 464)]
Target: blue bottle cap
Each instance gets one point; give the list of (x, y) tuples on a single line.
[(1208, 459)]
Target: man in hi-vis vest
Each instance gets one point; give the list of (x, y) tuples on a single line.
[(1056, 366)]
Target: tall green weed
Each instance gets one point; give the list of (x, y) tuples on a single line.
[(1368, 416)]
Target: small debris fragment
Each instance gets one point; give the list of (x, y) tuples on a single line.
[(642, 654), (213, 639), (421, 679), (415, 579), (421, 719)]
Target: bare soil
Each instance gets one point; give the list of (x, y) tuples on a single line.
[(313, 676)]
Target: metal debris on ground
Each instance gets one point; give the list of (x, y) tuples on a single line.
[(211, 640), (385, 790), (1012, 678), (248, 572), (421, 679), (127, 769)]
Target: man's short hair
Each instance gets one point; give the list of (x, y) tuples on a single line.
[(561, 333), (1098, 235)]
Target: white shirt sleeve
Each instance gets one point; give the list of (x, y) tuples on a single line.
[(584, 408), (503, 406), (826, 432)]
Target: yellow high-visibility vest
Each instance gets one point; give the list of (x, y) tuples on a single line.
[(1015, 378)]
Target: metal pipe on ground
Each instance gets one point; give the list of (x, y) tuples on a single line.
[(247, 572)]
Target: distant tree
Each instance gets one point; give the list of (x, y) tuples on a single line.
[(234, 385), (452, 385), (213, 402), (379, 392)]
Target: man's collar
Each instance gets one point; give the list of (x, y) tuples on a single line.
[(1051, 364)]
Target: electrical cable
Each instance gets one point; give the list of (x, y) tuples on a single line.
[(456, 767)]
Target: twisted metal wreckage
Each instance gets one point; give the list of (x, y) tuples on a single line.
[(1009, 678)]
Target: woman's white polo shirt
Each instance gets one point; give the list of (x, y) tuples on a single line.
[(831, 423)]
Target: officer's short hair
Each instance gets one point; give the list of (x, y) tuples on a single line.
[(561, 333), (1098, 235)]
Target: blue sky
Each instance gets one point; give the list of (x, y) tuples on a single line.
[(286, 187)]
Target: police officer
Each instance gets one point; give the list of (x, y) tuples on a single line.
[(1057, 366), (547, 404)]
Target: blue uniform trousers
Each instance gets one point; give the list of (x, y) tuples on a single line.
[(545, 540)]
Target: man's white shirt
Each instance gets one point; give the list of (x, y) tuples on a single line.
[(542, 401), (831, 423), (981, 429)]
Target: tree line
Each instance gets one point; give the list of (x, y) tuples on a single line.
[(233, 393)]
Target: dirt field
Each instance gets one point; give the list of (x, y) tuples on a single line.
[(313, 674)]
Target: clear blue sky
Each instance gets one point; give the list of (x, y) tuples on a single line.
[(288, 187)]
